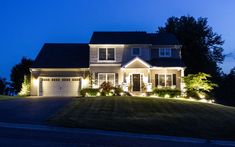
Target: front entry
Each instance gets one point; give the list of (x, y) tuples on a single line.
[(136, 82)]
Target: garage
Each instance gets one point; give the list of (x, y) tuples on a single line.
[(60, 86)]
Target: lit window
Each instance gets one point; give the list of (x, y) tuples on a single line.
[(161, 80), (164, 52), (168, 80), (106, 77), (165, 80), (135, 51), (106, 54)]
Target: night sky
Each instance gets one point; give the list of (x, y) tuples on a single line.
[(25, 25)]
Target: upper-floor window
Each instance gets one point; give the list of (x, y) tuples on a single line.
[(106, 54), (164, 52), (136, 52)]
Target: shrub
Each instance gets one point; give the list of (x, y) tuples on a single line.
[(166, 92), (117, 91), (89, 92), (106, 88), (198, 85)]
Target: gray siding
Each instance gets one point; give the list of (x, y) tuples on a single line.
[(127, 53)]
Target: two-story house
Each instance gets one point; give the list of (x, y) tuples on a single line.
[(136, 61)]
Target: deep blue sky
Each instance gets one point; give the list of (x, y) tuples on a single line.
[(25, 25)]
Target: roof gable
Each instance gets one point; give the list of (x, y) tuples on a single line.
[(136, 63)]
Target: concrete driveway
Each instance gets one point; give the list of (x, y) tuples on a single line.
[(34, 110)]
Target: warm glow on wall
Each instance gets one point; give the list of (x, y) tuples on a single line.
[(35, 82)]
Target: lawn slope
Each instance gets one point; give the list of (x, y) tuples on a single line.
[(150, 115)]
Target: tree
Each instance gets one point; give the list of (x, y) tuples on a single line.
[(202, 48), (226, 93), (25, 90), (3, 86), (18, 72), (198, 85)]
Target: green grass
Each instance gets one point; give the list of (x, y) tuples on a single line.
[(150, 115), (6, 97)]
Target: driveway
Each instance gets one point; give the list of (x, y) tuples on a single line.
[(32, 110)]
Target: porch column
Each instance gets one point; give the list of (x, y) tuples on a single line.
[(182, 85)]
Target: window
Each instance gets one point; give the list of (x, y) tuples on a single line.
[(106, 54), (106, 77), (65, 79), (161, 80), (136, 52), (164, 52), (168, 80), (102, 54), (165, 80)]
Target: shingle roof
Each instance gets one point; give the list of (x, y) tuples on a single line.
[(167, 62), (60, 55), (133, 38), (163, 39)]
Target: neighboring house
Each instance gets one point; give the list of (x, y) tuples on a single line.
[(136, 61)]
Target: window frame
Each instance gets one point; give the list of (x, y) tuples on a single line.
[(106, 78), (132, 51), (164, 50), (165, 75), (106, 54)]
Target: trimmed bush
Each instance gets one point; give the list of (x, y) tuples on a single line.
[(117, 91), (166, 92), (89, 92)]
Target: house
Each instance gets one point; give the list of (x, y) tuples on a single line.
[(136, 61)]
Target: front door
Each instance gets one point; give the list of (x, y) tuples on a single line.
[(136, 82)]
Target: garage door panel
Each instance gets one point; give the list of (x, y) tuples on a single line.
[(60, 87)]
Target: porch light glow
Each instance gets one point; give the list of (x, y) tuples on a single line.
[(35, 82)]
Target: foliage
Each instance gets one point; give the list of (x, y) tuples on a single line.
[(106, 88), (226, 92), (89, 92), (143, 87), (198, 84), (25, 90), (3, 86), (18, 72), (202, 48), (91, 79), (166, 92), (118, 91)]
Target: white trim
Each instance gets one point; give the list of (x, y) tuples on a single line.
[(59, 69), (106, 78), (135, 59), (177, 68), (105, 64), (106, 45), (164, 50), (132, 51), (106, 50)]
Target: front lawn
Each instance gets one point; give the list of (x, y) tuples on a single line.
[(150, 115), (6, 97)]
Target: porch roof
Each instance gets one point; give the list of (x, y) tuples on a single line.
[(142, 63)]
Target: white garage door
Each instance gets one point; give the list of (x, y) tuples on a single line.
[(60, 86)]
